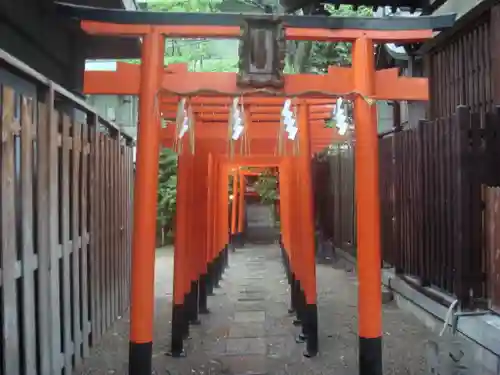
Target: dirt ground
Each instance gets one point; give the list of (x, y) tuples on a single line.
[(250, 332)]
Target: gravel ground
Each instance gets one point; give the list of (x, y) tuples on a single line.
[(250, 332)]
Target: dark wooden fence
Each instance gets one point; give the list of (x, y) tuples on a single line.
[(65, 213), (434, 217), (333, 175), (461, 64)]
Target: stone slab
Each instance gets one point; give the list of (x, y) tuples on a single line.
[(249, 316), (246, 346), (250, 304), (246, 365), (247, 330)]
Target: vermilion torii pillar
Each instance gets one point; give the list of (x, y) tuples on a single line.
[(367, 211), (145, 204)]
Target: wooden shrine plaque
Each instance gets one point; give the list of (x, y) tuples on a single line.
[(262, 53)]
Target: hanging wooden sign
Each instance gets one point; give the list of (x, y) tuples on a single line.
[(262, 53)]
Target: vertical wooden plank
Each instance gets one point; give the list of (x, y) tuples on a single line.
[(114, 226), (397, 224), (95, 203), (419, 249), (461, 71), (122, 235), (102, 232), (414, 204), (77, 240), (441, 228), (111, 230), (130, 216), (476, 209), (119, 237), (127, 219), (9, 127), (43, 225), (493, 63), (124, 224), (449, 202), (423, 249), (65, 246), (55, 303), (404, 187), (462, 234), (107, 234), (474, 104), (480, 69), (85, 151), (434, 270), (27, 253)]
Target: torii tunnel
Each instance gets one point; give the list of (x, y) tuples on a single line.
[(208, 155)]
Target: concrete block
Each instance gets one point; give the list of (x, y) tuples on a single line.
[(387, 295)]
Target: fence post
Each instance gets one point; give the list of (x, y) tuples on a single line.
[(423, 158), (462, 234)]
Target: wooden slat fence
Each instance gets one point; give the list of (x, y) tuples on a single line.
[(322, 201), (439, 170), (65, 214), (387, 200), (337, 217), (439, 204), (460, 69)]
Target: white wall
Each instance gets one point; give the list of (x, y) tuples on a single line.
[(460, 7), (384, 116), (122, 109)]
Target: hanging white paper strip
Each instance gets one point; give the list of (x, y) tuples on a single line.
[(185, 127), (286, 107), (292, 133), (237, 132)]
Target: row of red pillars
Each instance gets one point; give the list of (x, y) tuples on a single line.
[(215, 245)]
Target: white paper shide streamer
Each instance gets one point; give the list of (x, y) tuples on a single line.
[(339, 117), (289, 120), (182, 118), (236, 120)]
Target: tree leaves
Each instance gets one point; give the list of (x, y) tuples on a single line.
[(167, 188)]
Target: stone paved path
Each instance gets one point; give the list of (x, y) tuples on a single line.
[(249, 330)]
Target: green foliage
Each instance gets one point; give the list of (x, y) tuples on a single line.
[(167, 189), (266, 186), (316, 57), (197, 53), (202, 6)]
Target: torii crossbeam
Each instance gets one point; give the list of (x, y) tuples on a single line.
[(360, 82)]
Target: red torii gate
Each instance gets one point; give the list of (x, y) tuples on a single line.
[(363, 84)]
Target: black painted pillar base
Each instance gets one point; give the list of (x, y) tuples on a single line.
[(226, 257), (210, 278), (192, 302), (140, 358), (202, 294), (293, 303), (311, 329), (238, 240), (217, 271), (286, 265), (233, 242), (370, 356), (299, 302), (220, 267), (179, 324)]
